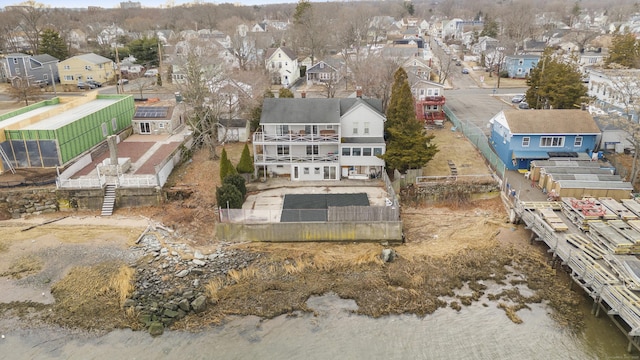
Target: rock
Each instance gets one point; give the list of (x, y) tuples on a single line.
[(199, 303), (197, 271), (156, 328), (388, 255), (164, 251), (182, 273), (198, 262), (170, 313), (196, 283), (198, 255), (129, 303), (184, 305)]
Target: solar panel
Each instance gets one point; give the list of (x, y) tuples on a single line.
[(152, 112)]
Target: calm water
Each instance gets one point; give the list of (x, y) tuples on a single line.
[(477, 332)]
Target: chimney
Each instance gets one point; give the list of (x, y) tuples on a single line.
[(303, 94), (359, 92)]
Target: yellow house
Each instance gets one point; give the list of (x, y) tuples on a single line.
[(86, 67)]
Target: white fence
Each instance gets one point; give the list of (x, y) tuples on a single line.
[(137, 181)]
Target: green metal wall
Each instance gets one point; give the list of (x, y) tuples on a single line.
[(25, 109), (82, 134)]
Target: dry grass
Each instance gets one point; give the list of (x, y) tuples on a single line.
[(454, 146), (80, 234), (24, 266), (92, 296)]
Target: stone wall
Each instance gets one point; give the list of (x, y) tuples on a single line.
[(16, 203), (443, 192)]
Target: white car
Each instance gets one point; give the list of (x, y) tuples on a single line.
[(518, 98), (123, 81)]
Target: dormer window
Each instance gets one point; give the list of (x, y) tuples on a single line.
[(279, 55)]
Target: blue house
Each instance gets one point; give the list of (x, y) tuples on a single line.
[(519, 66), (520, 136)]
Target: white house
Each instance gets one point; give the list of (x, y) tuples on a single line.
[(615, 91), (320, 139), (282, 64)]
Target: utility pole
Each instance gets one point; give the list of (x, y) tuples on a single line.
[(53, 81), (119, 82)]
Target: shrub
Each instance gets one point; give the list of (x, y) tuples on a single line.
[(237, 181), (245, 165), (229, 195)]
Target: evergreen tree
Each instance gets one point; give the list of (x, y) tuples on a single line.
[(238, 182), (624, 51), (555, 83), (145, 51), (490, 28), (245, 166), (228, 195), (285, 93), (224, 164), (408, 146), (52, 44), (256, 112)]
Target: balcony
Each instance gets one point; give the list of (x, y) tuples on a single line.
[(325, 136), (262, 159), (431, 100)]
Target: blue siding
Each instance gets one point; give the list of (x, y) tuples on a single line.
[(505, 147), (517, 70)]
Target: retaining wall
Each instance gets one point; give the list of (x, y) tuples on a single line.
[(311, 231), (18, 203)]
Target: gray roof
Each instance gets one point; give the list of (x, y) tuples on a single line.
[(44, 58), (551, 122), (303, 111), (94, 58), (311, 111)]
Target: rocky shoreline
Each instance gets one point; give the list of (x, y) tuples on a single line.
[(171, 278)]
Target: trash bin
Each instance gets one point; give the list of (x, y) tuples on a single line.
[(178, 97)]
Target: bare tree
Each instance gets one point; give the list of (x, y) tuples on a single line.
[(243, 44), (374, 74), (32, 17), (21, 90), (203, 110)]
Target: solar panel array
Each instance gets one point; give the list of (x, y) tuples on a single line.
[(151, 112)]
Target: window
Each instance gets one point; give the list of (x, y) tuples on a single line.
[(282, 129), (312, 149), (67, 67), (355, 128), (552, 141), (114, 124), (356, 151), (525, 141), (68, 77), (377, 151), (105, 131), (17, 71), (366, 151), (346, 151), (161, 125), (87, 67), (283, 149), (316, 171), (578, 141), (366, 128), (15, 61), (305, 171)]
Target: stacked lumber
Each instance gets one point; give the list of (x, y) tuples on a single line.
[(553, 219), (617, 208), (632, 205), (587, 246), (607, 235), (583, 211), (535, 205)]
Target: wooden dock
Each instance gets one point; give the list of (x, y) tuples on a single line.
[(598, 248)]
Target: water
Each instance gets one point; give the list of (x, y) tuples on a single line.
[(476, 332)]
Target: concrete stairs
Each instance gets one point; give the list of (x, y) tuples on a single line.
[(109, 201)]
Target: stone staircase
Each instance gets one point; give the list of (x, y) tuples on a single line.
[(109, 200)]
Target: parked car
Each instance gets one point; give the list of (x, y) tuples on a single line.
[(523, 105), (85, 85), (465, 71), (123, 81), (94, 83), (40, 83), (151, 73), (518, 99), (458, 63)]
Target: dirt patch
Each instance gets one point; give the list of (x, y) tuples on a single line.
[(453, 146)]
